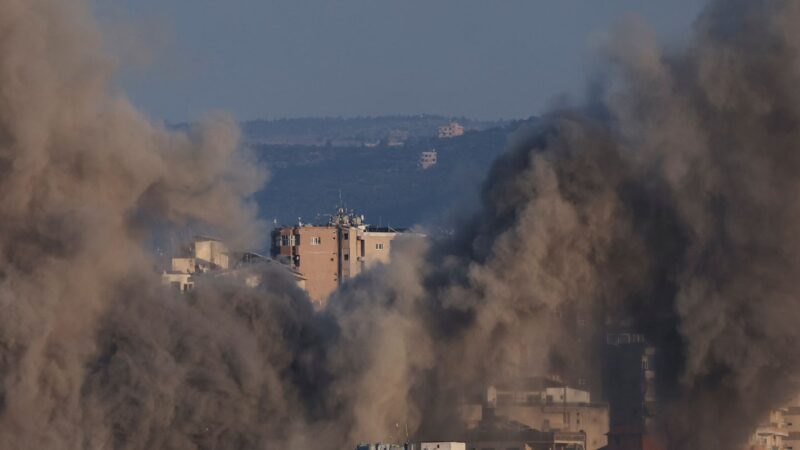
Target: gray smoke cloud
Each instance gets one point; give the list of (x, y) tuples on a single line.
[(668, 201), (80, 173)]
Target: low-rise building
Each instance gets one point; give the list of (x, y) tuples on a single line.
[(496, 432), (542, 404)]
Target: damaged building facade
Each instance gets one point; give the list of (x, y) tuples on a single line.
[(207, 255), (545, 405)]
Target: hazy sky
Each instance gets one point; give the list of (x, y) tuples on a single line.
[(290, 58)]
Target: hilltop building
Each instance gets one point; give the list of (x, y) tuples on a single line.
[(428, 159), (397, 138), (451, 130), (328, 255)]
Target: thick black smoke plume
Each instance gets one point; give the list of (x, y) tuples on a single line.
[(670, 201)]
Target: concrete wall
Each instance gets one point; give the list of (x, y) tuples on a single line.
[(183, 265), (212, 251), (791, 419), (363, 249), (565, 395), (376, 248), (350, 256), (179, 281), (317, 259)]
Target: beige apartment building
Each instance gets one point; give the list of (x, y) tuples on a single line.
[(328, 255)]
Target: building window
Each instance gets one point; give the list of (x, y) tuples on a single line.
[(346, 236), (284, 241), (378, 246), (316, 240), (347, 257)]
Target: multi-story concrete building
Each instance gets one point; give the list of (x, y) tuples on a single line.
[(791, 419), (328, 255), (450, 130), (630, 390)]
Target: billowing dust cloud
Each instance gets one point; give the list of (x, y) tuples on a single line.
[(669, 201)]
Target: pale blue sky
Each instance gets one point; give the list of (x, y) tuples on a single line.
[(290, 58)]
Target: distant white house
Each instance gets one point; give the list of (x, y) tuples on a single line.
[(428, 159)]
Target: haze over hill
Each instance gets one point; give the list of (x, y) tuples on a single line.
[(316, 162)]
